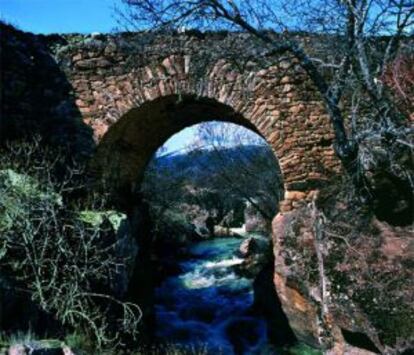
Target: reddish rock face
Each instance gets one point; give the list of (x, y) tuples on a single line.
[(344, 278), (302, 314), (302, 311)]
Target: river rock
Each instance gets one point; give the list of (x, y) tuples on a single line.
[(256, 253), (17, 349), (248, 247)]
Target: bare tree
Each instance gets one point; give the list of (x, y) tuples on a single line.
[(163, 188), (364, 37), (242, 165)]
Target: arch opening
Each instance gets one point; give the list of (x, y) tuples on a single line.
[(127, 147), (212, 196)]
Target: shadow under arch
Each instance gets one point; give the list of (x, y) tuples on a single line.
[(130, 143)]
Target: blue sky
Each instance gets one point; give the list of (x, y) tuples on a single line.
[(63, 16), (68, 16), (181, 139)]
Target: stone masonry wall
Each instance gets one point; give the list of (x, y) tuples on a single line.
[(101, 79), (113, 74)]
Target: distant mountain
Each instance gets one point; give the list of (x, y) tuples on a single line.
[(215, 183), (196, 162)]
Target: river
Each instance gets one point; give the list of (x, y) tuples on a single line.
[(209, 305)]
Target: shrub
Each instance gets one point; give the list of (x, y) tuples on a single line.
[(50, 250)]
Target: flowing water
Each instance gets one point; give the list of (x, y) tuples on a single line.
[(207, 303)]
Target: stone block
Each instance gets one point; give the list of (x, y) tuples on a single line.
[(295, 195)]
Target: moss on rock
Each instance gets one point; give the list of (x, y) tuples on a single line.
[(96, 218)]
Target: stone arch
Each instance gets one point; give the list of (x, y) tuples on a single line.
[(278, 102), (130, 143)]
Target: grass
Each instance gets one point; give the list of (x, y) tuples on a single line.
[(81, 342), (78, 341), (16, 338)]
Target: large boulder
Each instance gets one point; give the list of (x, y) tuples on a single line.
[(344, 283), (256, 252), (248, 247)]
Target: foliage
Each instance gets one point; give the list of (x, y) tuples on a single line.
[(97, 218), (61, 261), (80, 341), (17, 338)]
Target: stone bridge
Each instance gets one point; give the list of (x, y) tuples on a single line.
[(118, 98), (136, 91)]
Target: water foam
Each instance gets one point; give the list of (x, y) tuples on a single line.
[(223, 263)]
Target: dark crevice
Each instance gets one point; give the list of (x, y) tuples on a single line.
[(268, 303), (359, 340), (393, 200)]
